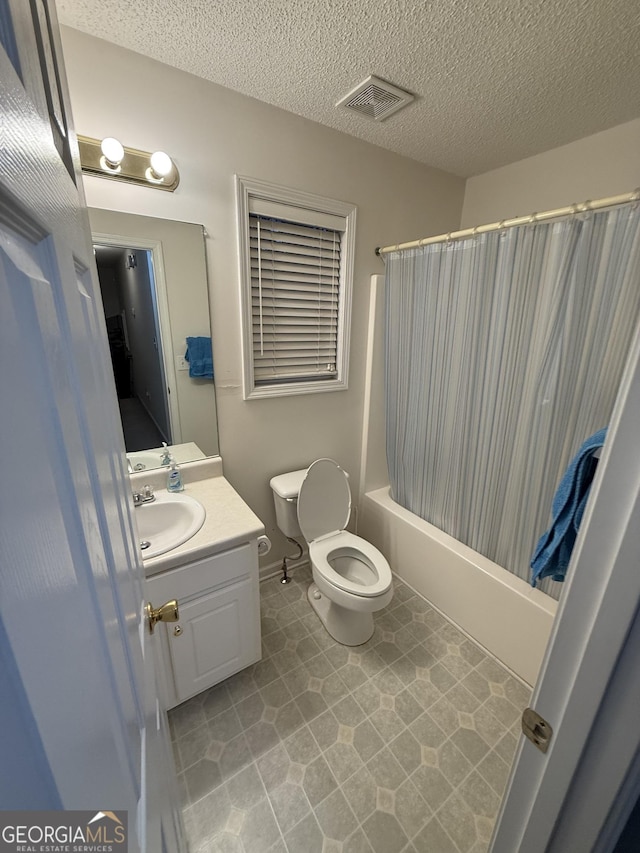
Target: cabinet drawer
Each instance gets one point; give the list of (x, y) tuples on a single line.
[(196, 578), (214, 639)]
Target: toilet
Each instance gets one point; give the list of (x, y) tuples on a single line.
[(351, 578)]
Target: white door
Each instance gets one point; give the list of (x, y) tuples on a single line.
[(79, 720), (578, 795)]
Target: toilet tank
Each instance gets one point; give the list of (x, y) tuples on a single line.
[(286, 488)]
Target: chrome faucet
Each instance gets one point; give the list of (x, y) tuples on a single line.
[(143, 497)]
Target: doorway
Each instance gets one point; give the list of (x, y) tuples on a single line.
[(129, 296)]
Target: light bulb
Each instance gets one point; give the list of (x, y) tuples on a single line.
[(112, 150), (161, 164)]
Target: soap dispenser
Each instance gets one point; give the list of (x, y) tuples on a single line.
[(174, 478), (165, 459)]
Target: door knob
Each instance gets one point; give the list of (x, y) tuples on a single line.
[(167, 613)]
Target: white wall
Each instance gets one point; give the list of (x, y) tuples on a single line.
[(214, 133), (597, 166)]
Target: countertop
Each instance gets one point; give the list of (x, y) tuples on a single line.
[(229, 521)]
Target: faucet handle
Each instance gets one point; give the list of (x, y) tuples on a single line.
[(143, 497)]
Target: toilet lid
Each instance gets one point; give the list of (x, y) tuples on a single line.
[(324, 502)]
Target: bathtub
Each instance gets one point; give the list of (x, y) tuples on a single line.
[(497, 609)]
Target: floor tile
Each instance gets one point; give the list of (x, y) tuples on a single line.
[(357, 843), (385, 833), (245, 789), (407, 750), (215, 700), (305, 836), (361, 793), (288, 719), (235, 755), (302, 747), (325, 728), (259, 828), (434, 837), (495, 771), (318, 781), (290, 805), (193, 745), (187, 717), (366, 740), (386, 771), (407, 706), (479, 795), (410, 809), (343, 760), (453, 764), (261, 738), (273, 767), (458, 820), (432, 785), (388, 723), (403, 744), (335, 817)]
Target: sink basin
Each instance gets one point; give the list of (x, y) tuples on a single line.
[(143, 459), (167, 522)]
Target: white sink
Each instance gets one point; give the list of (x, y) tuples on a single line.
[(143, 459), (167, 522)]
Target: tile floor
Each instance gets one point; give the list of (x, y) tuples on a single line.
[(402, 745)]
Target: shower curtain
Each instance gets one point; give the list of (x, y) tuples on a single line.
[(504, 352)]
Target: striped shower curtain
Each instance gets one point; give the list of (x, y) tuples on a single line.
[(504, 352)]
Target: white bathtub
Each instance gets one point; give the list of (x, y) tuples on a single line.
[(497, 609)]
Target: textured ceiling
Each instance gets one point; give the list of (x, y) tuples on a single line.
[(495, 80)]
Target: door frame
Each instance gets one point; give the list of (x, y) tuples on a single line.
[(165, 349)]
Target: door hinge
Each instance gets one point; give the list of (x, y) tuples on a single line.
[(536, 728)]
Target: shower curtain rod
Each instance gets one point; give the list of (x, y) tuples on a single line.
[(584, 207)]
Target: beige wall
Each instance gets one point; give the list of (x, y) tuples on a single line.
[(597, 166), (214, 133)]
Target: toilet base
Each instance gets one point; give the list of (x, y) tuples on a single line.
[(347, 627)]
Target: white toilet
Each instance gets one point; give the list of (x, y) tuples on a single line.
[(352, 579)]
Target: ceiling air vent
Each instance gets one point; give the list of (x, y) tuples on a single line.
[(376, 99)]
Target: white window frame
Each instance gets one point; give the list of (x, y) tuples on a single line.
[(247, 190)]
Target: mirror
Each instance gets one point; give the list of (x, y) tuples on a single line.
[(153, 278)]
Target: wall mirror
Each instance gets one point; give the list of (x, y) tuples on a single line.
[(153, 279)]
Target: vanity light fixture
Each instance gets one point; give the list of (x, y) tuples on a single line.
[(160, 168), (112, 154), (108, 158)]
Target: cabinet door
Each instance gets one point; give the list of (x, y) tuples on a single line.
[(213, 639)]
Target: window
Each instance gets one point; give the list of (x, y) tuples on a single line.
[(296, 269)]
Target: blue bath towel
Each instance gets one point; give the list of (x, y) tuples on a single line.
[(553, 551), (200, 358)]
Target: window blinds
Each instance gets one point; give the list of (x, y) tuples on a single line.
[(295, 298)]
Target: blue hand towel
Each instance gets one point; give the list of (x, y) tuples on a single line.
[(553, 551), (200, 358)]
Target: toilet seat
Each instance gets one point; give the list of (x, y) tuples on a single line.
[(324, 507), (324, 500), (348, 545)]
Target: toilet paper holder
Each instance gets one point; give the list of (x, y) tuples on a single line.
[(264, 545)]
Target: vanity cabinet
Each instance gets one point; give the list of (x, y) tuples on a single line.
[(218, 632)]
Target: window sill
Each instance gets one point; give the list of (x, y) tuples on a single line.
[(294, 388)]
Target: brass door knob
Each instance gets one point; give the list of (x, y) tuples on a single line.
[(167, 613)]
